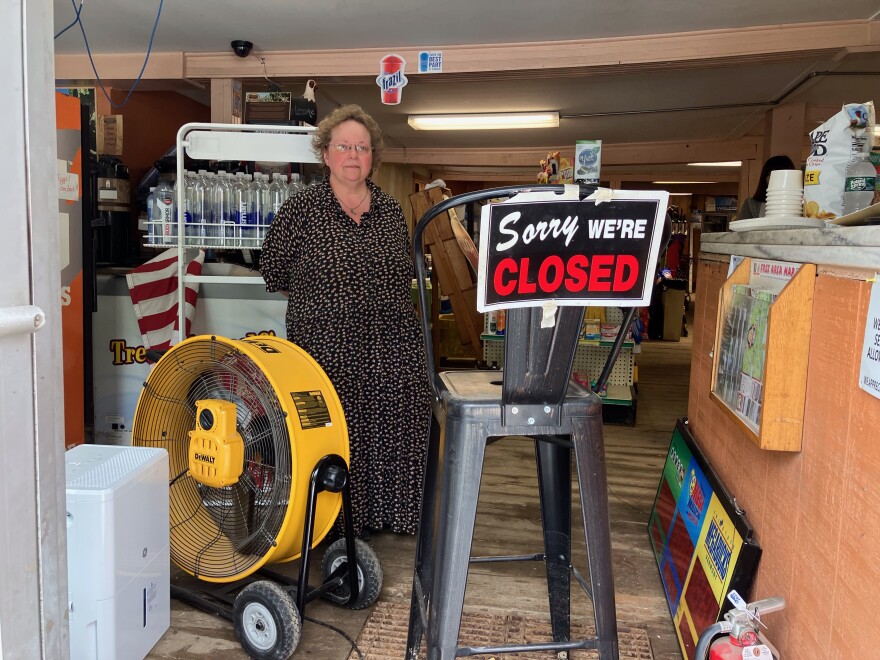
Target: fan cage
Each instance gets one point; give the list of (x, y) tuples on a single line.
[(219, 532)]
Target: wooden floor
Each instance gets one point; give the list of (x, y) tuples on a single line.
[(509, 523)]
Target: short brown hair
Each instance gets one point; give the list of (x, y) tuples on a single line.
[(321, 139)]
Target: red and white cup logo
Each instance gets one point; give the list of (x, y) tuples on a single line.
[(391, 78)]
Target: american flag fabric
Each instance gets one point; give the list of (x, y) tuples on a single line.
[(154, 294)]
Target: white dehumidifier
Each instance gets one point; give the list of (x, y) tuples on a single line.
[(118, 567)]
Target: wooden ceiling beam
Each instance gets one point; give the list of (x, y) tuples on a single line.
[(676, 49), (653, 153)]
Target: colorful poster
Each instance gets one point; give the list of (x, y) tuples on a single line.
[(69, 194), (703, 547)]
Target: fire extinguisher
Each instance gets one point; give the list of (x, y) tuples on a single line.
[(744, 638)]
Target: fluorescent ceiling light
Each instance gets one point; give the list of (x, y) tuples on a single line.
[(720, 163), (672, 194), (670, 183), (484, 121)]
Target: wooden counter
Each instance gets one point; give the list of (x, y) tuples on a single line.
[(816, 512)]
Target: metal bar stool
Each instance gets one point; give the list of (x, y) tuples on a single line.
[(532, 397)]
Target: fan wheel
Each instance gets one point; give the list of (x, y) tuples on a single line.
[(369, 573), (266, 621)]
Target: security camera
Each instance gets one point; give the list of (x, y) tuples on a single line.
[(242, 48)]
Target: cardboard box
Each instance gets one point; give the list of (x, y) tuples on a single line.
[(109, 134), (673, 314)]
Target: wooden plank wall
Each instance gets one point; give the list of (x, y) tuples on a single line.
[(816, 512)]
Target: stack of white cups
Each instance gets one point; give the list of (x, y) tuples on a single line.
[(785, 194)]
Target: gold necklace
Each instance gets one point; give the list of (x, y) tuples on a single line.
[(351, 209)]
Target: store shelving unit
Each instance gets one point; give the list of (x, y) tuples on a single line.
[(589, 359), (241, 142)]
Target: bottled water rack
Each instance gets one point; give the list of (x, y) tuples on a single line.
[(242, 142), (238, 240)]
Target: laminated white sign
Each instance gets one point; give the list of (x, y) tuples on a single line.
[(869, 373)]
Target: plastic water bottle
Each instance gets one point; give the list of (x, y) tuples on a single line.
[(295, 185), (222, 206), (211, 231), (240, 202), (858, 187), (259, 208), (164, 208), (153, 231), (181, 193), (277, 194), (196, 230), (180, 198)]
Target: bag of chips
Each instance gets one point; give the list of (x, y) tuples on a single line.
[(832, 146)]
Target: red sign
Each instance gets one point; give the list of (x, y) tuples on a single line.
[(572, 252)]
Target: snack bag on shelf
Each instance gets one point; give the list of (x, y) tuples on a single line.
[(833, 145), (592, 328)]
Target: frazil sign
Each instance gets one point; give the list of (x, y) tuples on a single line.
[(391, 79)]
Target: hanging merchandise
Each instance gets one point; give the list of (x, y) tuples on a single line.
[(588, 161), (555, 169), (304, 110)]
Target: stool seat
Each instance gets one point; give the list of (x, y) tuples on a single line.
[(477, 394)]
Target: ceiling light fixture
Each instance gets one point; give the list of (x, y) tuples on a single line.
[(484, 121), (678, 194), (720, 163)]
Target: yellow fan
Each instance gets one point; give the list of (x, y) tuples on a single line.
[(245, 422)]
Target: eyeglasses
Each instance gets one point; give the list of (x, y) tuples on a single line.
[(360, 149)]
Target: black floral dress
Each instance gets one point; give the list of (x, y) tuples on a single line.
[(350, 308)]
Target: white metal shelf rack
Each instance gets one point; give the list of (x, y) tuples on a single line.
[(247, 142)]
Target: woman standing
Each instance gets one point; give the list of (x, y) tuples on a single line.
[(341, 252)]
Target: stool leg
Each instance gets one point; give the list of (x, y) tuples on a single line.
[(423, 570), (554, 486), (463, 451), (589, 451)]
